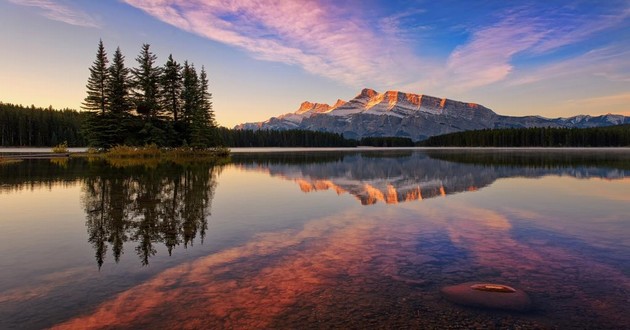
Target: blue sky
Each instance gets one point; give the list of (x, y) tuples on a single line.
[(550, 58)]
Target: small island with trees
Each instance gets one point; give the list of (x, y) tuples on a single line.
[(166, 106)]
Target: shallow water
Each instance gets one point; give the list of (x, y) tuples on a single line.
[(332, 239)]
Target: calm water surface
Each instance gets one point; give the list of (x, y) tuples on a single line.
[(316, 240)]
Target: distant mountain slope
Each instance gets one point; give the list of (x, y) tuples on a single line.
[(415, 116)]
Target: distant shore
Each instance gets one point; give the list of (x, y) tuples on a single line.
[(31, 152)]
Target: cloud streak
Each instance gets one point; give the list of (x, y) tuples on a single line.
[(321, 38), (610, 63), (489, 55), (351, 46), (59, 12)]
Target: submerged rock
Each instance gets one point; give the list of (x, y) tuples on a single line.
[(487, 295)]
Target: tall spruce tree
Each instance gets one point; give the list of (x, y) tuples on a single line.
[(96, 102), (118, 85), (118, 118), (172, 88), (190, 98), (205, 101), (206, 113), (146, 84), (96, 99)]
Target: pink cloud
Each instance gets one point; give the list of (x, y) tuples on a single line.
[(59, 12), (325, 40)]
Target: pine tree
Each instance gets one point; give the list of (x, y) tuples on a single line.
[(117, 118), (206, 113), (205, 101), (118, 85), (189, 92), (96, 99), (197, 107), (172, 88), (95, 128), (189, 100), (146, 84)]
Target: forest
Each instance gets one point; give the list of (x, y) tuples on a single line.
[(40, 127), (610, 136), (287, 138)]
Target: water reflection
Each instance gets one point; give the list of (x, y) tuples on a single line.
[(280, 255), (403, 176), (168, 204)]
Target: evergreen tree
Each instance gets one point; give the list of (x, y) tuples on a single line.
[(96, 99), (146, 97), (118, 85), (146, 84), (205, 101), (116, 120), (203, 128), (172, 88), (189, 92)]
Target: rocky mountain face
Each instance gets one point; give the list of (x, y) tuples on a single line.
[(410, 115)]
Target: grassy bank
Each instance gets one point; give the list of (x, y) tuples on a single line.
[(147, 155)]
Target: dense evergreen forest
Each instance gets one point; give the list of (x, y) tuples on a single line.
[(611, 136), (289, 138), (386, 142), (303, 138), (39, 127), (169, 105)]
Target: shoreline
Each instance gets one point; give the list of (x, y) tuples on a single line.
[(44, 152)]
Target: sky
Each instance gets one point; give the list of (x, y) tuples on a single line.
[(551, 58)]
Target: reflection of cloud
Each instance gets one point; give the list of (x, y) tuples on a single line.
[(49, 283), (349, 256), (59, 12), (241, 287)]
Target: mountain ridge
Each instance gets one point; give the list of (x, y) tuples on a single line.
[(416, 116)]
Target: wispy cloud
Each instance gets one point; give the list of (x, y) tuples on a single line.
[(323, 39), (488, 56), (619, 101), (576, 27), (59, 12), (485, 59), (359, 49), (610, 63)]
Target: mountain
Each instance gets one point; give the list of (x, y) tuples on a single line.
[(415, 116)]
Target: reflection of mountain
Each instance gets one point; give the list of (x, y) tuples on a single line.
[(168, 204), (419, 175)]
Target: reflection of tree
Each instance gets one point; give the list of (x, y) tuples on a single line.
[(166, 204)]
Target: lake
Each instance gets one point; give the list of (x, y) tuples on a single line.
[(329, 239)]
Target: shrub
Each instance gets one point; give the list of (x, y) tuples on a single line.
[(61, 148)]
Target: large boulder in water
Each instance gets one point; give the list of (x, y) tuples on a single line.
[(487, 295)]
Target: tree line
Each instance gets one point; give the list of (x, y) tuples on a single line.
[(285, 138), (22, 126), (168, 105), (610, 136)]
